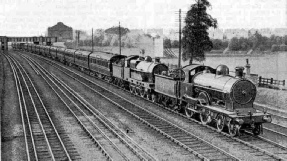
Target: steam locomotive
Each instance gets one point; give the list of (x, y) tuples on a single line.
[(195, 90)]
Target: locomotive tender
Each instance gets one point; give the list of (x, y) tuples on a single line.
[(213, 94)]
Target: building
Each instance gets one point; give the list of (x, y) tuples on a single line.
[(61, 31)]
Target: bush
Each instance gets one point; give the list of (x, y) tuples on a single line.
[(167, 43), (129, 45), (275, 48), (234, 44), (175, 44), (283, 47), (116, 43)]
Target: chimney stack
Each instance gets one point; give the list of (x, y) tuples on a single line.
[(239, 72)]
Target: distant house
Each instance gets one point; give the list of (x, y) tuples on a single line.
[(61, 31)]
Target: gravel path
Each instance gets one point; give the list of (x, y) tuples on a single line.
[(13, 144)]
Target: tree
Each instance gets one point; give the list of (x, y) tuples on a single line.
[(217, 44), (284, 40), (195, 41), (167, 43), (175, 44), (234, 44), (115, 30)]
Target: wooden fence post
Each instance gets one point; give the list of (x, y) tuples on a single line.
[(271, 81), (260, 80), (283, 82)]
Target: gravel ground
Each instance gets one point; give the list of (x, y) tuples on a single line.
[(86, 150), (234, 149), (272, 97), (13, 145), (158, 146)]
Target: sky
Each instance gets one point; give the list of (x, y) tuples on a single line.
[(33, 17)]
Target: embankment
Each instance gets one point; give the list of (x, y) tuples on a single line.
[(271, 97)]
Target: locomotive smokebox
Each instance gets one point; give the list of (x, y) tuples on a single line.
[(239, 72)]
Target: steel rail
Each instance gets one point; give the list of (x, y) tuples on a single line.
[(37, 115), (276, 132), (26, 113), (45, 114), (75, 115), (91, 121), (104, 120), (111, 127), (18, 84)]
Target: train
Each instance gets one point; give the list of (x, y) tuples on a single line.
[(210, 94)]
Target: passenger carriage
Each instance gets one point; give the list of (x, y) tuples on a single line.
[(38, 49), (41, 50), (33, 48), (53, 52), (61, 55), (101, 64), (46, 51), (82, 59), (69, 56), (25, 47), (29, 47)]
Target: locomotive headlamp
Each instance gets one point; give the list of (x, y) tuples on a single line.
[(267, 118)]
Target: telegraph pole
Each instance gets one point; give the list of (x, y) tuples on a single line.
[(179, 48), (120, 41), (78, 37), (179, 43), (92, 40)]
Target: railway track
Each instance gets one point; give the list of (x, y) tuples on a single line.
[(113, 143), (44, 139), (256, 149), (189, 141), (276, 129)]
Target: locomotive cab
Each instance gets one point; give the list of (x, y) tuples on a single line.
[(127, 67)]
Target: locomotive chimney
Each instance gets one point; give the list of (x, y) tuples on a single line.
[(239, 72), (157, 59)]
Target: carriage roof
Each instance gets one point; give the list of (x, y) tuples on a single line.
[(83, 53), (105, 55)]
